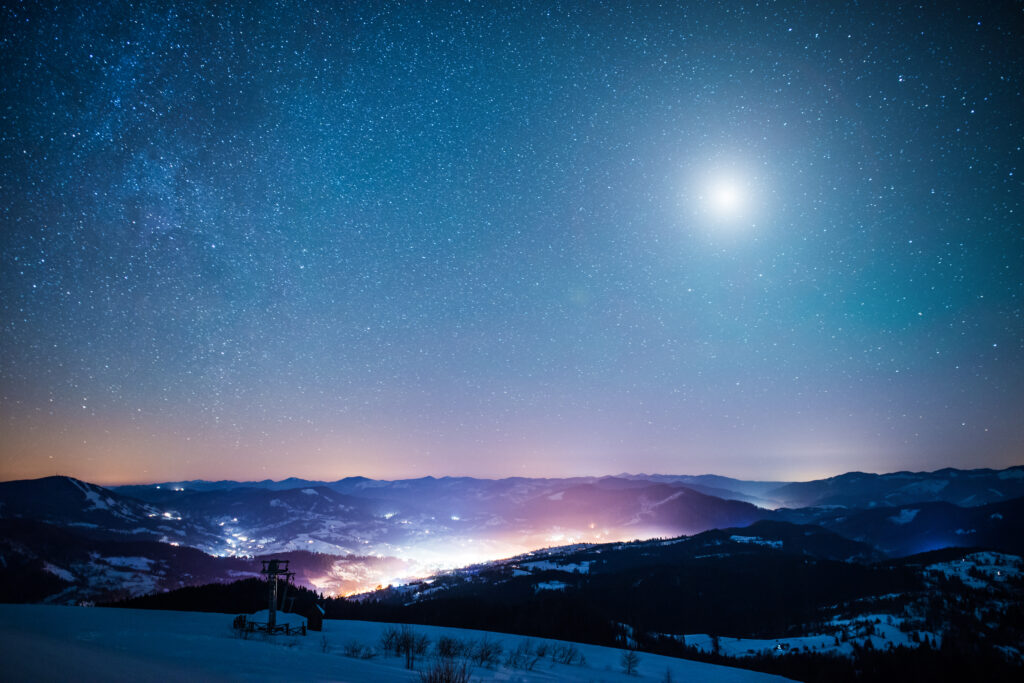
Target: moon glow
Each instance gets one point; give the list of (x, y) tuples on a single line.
[(726, 198)]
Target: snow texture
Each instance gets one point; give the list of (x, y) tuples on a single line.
[(55, 643), (280, 618), (545, 565), (979, 570), (756, 540), (904, 517), (881, 630), (59, 572), (91, 495), (141, 563)]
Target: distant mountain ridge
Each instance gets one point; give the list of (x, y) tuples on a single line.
[(358, 516), (853, 489), (381, 531), (392, 530), (966, 488)]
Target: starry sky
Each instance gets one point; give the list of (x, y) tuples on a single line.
[(775, 240)]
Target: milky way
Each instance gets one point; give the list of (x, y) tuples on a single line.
[(260, 239)]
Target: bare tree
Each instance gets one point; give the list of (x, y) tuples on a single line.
[(406, 642), (389, 640), (630, 661)]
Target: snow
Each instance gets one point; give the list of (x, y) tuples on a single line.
[(92, 496), (904, 517), (551, 586), (544, 565), (54, 643), (932, 486), (280, 618), (647, 506), (59, 572), (881, 630), (674, 541), (756, 540), (141, 563), (97, 575), (980, 570), (1011, 653)]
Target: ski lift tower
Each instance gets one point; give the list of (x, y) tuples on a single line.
[(273, 570)]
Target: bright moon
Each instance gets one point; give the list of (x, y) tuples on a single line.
[(724, 199), (727, 199)]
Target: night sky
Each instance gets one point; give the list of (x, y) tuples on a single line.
[(775, 240)]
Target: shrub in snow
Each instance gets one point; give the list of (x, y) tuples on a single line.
[(446, 671), (523, 657), (486, 652), (354, 648), (566, 654), (450, 648)]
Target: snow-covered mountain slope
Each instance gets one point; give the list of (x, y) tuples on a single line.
[(100, 512), (48, 643), (43, 562), (901, 620)]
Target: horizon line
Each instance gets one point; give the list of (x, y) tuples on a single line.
[(460, 476)]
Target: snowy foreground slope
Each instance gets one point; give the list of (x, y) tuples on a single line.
[(57, 643)]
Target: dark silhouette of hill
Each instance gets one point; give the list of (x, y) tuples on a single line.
[(238, 597), (911, 529), (864, 490)]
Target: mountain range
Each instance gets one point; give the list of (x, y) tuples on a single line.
[(852, 489), (65, 540)]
